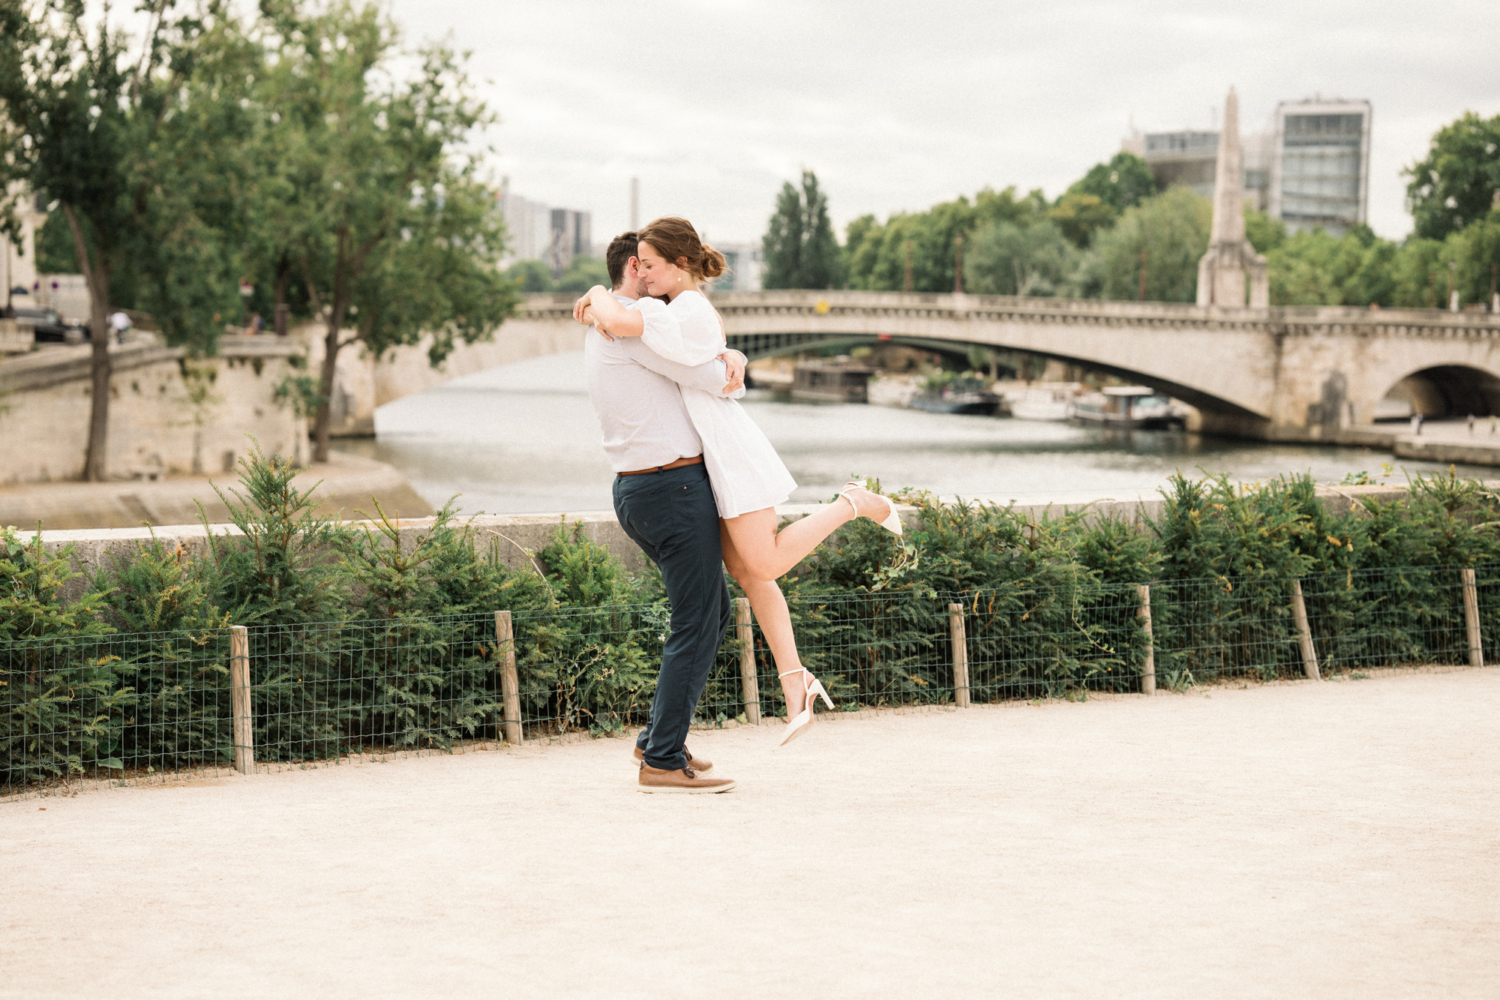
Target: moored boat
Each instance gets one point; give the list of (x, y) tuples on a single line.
[(964, 395)]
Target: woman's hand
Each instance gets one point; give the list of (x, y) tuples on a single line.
[(734, 371)]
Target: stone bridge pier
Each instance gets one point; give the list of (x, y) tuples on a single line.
[(1286, 373)]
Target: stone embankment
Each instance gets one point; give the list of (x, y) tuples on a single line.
[(169, 505), (169, 413)]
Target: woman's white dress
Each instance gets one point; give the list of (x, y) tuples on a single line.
[(743, 467)]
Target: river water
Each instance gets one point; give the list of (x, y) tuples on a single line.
[(523, 439)]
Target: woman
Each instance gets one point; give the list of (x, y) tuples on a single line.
[(748, 477)]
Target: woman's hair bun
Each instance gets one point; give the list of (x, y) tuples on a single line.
[(713, 262)]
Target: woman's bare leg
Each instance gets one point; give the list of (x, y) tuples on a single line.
[(768, 554), (769, 605)]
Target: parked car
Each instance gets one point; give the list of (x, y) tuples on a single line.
[(48, 327)]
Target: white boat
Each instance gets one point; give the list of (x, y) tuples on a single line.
[(1128, 406), (1044, 402)]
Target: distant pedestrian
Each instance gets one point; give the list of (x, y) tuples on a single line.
[(1471, 425), (1416, 424), (1492, 425), (120, 323)]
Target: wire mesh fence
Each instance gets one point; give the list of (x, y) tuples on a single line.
[(132, 707)]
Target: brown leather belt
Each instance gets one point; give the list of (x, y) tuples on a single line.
[(695, 460)]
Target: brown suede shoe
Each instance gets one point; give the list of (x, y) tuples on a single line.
[(687, 781), (696, 763)]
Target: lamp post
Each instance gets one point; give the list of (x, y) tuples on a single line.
[(958, 263)]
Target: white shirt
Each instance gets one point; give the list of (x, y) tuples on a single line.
[(634, 392)]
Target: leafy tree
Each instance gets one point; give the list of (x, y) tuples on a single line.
[(582, 274), (1078, 216), (1476, 251), (1172, 229), (1457, 182), (1124, 182), (1417, 266), (385, 221), (1264, 233), (800, 248), (1096, 200), (877, 253), (1007, 259), (107, 133), (532, 276)]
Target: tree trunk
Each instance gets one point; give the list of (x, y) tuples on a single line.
[(325, 390), (283, 276), (95, 462)]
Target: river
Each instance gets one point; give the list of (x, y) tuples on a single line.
[(524, 439)]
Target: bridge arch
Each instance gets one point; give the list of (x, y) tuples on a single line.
[(1449, 391)]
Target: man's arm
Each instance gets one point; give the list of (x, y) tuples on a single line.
[(710, 377)]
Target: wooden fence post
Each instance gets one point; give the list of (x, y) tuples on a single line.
[(510, 685), (1148, 669), (1471, 619), (960, 655), (1304, 633), (749, 682), (239, 699)]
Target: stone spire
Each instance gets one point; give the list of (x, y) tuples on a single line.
[(1221, 272)]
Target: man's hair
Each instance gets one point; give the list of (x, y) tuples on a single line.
[(621, 249)]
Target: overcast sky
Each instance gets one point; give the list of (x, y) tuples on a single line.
[(714, 103)]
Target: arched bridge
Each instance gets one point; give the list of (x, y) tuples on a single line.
[(1287, 373)]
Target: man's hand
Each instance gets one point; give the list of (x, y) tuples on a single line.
[(734, 369)]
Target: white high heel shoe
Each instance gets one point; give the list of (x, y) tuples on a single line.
[(814, 688), (892, 522)]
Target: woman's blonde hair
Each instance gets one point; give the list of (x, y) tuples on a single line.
[(677, 240)]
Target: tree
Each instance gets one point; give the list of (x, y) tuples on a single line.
[(877, 253), (385, 221), (1457, 182), (1004, 258), (1097, 199), (1124, 182), (98, 128), (1172, 229), (582, 274), (800, 249), (1079, 215)]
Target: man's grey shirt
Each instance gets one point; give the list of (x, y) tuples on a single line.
[(634, 391)]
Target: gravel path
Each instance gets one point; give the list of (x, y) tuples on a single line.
[(1285, 840)]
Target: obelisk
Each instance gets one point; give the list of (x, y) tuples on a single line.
[(1221, 272)]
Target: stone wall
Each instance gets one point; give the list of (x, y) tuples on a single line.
[(168, 413)]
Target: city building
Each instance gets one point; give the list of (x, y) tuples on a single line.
[(742, 273), (1190, 157), (18, 264), (1309, 168), (1320, 169), (535, 231)]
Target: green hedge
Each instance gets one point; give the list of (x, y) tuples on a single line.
[(359, 642)]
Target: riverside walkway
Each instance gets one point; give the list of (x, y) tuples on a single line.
[(1266, 840)]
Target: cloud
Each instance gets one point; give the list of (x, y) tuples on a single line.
[(715, 103)]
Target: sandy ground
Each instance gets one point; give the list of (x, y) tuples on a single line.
[(1290, 840)]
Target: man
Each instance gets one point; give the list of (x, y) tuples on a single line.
[(665, 504)]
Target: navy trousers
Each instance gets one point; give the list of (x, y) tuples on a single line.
[(672, 516)]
